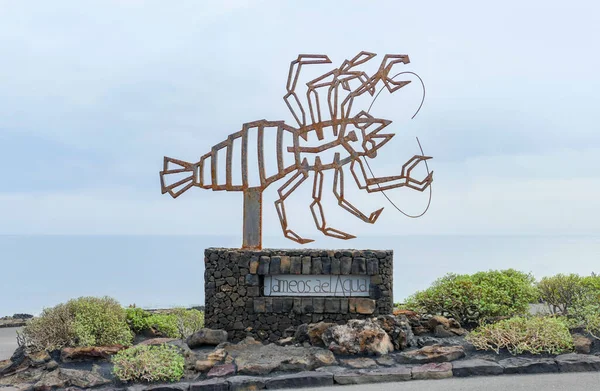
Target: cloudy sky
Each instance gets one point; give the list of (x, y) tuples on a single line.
[(92, 97)]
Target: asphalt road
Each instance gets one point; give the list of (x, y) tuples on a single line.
[(586, 381), (8, 342)]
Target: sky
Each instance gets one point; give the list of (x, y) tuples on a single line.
[(93, 96)]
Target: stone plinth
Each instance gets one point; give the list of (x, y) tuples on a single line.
[(316, 285)]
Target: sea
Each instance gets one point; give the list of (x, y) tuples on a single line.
[(37, 272)]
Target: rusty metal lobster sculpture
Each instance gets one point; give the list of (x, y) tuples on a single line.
[(356, 137)]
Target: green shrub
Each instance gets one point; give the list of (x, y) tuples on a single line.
[(86, 321), (188, 321), (562, 291), (137, 319), (52, 330), (519, 335), (472, 298), (147, 363), (166, 324), (176, 323), (99, 322)]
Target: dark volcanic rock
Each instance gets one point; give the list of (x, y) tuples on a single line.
[(432, 371), (395, 374), (210, 385), (258, 359), (300, 380), (399, 330), (89, 353), (206, 337), (574, 362), (434, 353), (528, 365), (246, 383), (582, 344), (221, 370), (476, 367), (169, 387), (358, 337)]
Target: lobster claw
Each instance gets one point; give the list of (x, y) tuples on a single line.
[(179, 187)]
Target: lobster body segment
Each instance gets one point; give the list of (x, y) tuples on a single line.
[(348, 139)]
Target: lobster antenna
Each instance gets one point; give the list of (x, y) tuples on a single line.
[(418, 142)]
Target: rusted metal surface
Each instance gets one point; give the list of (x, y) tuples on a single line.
[(351, 138)]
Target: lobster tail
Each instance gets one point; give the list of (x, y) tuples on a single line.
[(182, 176)]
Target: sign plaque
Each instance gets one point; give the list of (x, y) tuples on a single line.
[(317, 285)]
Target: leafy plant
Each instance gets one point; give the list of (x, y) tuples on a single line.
[(147, 363), (86, 321), (177, 323), (52, 330), (561, 291), (99, 321), (519, 335), (137, 319), (188, 321), (472, 298)]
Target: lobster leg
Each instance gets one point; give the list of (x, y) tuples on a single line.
[(391, 182), (338, 191), (284, 192), (317, 210)]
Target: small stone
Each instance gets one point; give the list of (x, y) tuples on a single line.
[(317, 266), (275, 266), (316, 330), (157, 341), (253, 265), (326, 263), (441, 332), (204, 365), (372, 266), (345, 265), (263, 265), (52, 365), (285, 341), (285, 266), (359, 266), (583, 344), (324, 357), (39, 358), (307, 305), (476, 367), (296, 265), (319, 305), (386, 361), (394, 374), (252, 280), (246, 383), (253, 291), (222, 370), (360, 363), (433, 353), (168, 387), (300, 380), (361, 306), (432, 371), (332, 305), (89, 352), (332, 369), (210, 385), (206, 337), (306, 265), (335, 266), (217, 355)]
